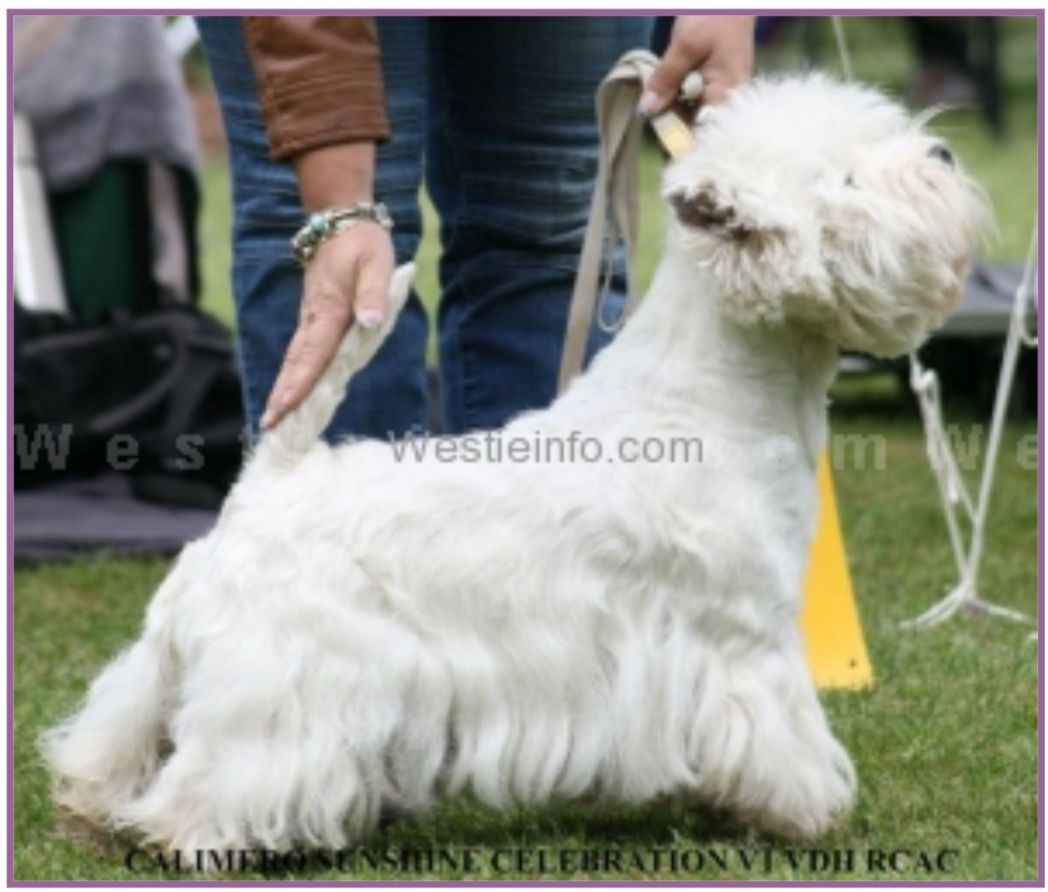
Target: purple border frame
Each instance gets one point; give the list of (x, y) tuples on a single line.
[(1038, 14)]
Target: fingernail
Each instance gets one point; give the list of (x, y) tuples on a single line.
[(274, 412), (691, 88), (369, 319), (650, 102)]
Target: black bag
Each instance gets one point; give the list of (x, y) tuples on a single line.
[(156, 396)]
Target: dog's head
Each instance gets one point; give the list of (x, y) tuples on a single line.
[(824, 204)]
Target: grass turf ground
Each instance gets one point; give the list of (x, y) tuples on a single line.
[(945, 743)]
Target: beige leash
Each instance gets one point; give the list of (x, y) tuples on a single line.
[(615, 193)]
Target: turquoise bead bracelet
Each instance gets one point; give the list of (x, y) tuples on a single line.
[(321, 225)]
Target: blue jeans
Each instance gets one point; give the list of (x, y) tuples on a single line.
[(496, 116)]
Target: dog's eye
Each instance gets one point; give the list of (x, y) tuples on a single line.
[(941, 153), (849, 181)]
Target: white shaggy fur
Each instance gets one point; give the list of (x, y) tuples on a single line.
[(360, 633)]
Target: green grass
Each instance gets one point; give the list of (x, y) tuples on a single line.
[(945, 742)]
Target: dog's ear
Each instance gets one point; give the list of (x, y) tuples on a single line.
[(707, 210), (760, 249)]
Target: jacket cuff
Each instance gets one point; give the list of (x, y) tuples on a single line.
[(337, 111), (319, 81)]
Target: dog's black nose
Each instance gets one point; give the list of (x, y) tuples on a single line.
[(942, 153)]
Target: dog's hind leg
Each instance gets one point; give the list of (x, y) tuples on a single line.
[(297, 432), (103, 755), (296, 729)]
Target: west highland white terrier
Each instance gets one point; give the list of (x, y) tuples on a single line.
[(367, 629)]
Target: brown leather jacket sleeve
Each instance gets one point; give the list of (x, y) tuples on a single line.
[(319, 80)]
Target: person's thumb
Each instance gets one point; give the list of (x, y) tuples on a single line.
[(661, 89)]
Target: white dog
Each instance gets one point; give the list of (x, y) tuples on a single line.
[(360, 632)]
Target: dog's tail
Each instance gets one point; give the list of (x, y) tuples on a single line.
[(303, 427)]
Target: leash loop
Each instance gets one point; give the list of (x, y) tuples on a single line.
[(614, 214)]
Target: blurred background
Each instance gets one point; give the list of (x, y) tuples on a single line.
[(984, 67), (133, 189), (125, 313)]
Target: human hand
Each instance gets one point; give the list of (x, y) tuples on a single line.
[(346, 279), (719, 47)]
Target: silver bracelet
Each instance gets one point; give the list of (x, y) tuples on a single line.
[(320, 226)]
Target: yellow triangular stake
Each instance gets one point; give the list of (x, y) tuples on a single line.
[(834, 642)]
